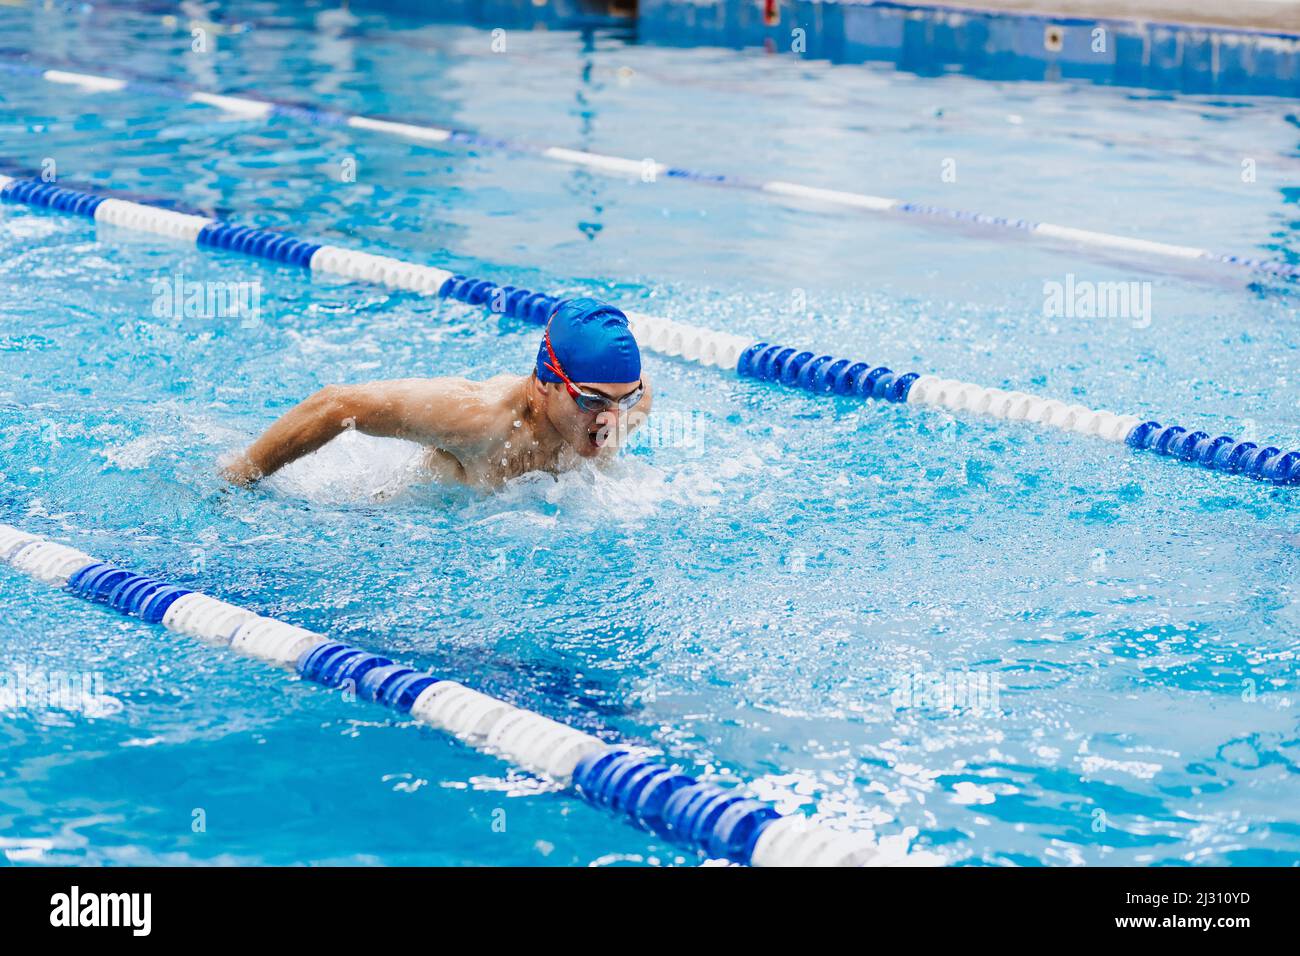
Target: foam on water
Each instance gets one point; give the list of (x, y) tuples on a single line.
[(353, 468)]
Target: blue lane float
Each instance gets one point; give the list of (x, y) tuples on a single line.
[(42, 195), (723, 823), (262, 243), (1223, 453), (718, 820), (535, 307), (815, 373), (129, 593), (824, 374)]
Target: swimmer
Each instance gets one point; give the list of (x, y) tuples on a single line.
[(582, 398)]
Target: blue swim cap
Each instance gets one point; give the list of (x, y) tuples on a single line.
[(593, 343)]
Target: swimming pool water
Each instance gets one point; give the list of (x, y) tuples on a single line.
[(756, 604)]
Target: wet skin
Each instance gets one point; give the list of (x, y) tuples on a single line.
[(477, 433)]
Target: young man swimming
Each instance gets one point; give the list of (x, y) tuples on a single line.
[(586, 392)]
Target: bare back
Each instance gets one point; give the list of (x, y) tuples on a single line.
[(478, 433)]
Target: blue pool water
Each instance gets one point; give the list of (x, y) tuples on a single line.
[(756, 605)]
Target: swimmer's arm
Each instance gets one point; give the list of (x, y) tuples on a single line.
[(440, 412)]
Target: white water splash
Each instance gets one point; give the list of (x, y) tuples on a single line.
[(357, 468), (353, 468)]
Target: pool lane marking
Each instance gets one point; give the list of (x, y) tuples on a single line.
[(721, 822), (818, 373), (256, 108), (91, 84)]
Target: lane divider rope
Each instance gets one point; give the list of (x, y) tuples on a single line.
[(721, 822), (813, 372), (256, 107)]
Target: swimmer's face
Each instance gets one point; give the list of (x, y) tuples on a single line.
[(586, 432)]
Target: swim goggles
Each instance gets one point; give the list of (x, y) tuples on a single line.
[(590, 401)]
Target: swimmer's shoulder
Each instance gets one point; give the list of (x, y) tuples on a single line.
[(468, 414), (490, 396)]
